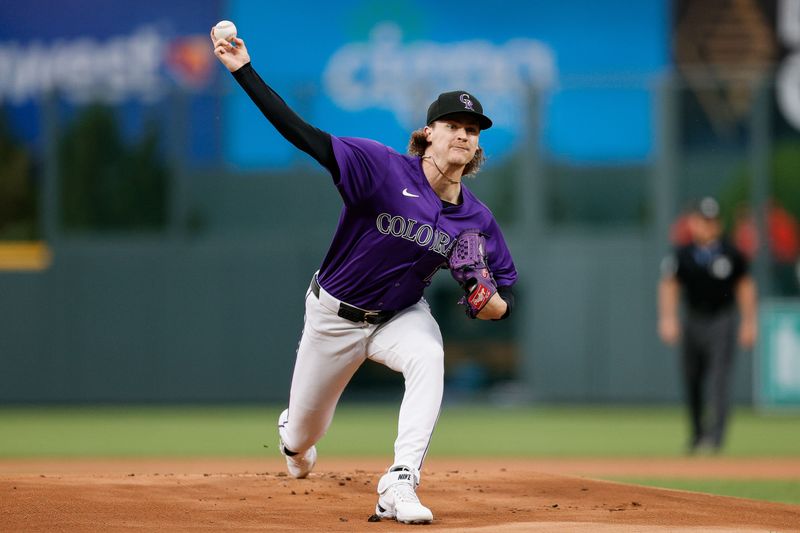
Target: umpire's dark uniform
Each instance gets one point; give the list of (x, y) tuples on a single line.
[(708, 274)]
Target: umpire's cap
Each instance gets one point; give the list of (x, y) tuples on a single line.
[(458, 102), (707, 208)]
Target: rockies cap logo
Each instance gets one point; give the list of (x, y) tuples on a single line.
[(457, 102)]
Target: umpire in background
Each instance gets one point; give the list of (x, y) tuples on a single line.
[(715, 282)]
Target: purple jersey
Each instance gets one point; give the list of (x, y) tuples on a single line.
[(394, 233)]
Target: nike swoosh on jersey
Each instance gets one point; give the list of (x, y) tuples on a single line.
[(406, 193)]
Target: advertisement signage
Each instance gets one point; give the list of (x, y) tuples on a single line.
[(369, 69)]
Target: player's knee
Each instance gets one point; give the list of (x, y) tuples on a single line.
[(429, 361)]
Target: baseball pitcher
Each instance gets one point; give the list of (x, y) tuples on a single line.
[(404, 217)]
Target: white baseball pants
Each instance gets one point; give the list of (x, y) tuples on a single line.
[(331, 350)]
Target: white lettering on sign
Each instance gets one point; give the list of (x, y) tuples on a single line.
[(84, 69), (789, 22), (787, 353), (787, 87), (386, 73), (787, 79)]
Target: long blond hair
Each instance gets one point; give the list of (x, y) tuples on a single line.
[(418, 143)]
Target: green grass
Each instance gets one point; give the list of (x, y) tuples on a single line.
[(136, 431), (562, 432), (370, 430), (360, 430), (774, 490)]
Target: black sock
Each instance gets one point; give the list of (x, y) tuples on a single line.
[(289, 452)]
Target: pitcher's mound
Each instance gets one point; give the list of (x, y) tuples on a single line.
[(252, 495)]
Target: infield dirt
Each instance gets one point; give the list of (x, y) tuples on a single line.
[(464, 494)]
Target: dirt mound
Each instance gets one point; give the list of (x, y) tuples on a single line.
[(242, 495)]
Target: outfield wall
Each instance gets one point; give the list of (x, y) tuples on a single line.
[(216, 316)]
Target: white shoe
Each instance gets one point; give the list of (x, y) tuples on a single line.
[(298, 465), (398, 500)]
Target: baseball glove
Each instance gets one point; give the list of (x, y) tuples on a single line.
[(467, 263)]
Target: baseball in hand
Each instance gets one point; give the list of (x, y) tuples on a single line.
[(225, 29)]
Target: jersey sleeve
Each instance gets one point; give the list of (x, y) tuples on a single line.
[(311, 140), (681, 264), (499, 257), (363, 166)]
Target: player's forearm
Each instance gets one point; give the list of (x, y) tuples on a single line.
[(507, 294), (495, 308), (748, 308), (746, 298), (297, 131), (668, 297)]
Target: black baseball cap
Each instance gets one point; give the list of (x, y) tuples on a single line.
[(458, 102), (707, 208)]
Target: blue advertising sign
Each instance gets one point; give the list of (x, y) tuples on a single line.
[(778, 354), (354, 67), (370, 69), (125, 53)]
